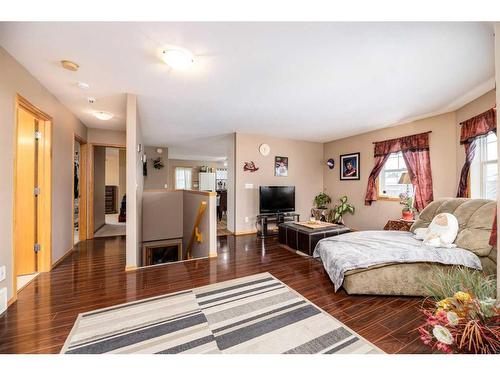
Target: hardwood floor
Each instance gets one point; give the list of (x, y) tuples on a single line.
[(93, 277)]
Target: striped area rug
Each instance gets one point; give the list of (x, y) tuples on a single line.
[(255, 314)]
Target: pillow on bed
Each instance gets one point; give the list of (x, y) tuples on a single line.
[(441, 232)]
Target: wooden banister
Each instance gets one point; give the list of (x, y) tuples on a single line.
[(196, 234)]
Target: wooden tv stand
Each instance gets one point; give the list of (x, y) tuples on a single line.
[(263, 220)]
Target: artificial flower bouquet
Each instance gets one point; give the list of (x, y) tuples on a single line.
[(462, 323)]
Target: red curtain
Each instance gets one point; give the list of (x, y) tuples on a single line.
[(415, 150), (470, 150), (478, 125), (418, 163), (471, 129), (371, 191)]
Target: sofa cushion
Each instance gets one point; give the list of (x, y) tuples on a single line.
[(475, 220)]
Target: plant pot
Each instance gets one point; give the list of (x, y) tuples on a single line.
[(407, 215)]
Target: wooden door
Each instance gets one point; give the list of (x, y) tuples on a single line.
[(25, 217)]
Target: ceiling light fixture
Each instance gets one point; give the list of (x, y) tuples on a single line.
[(177, 58), (102, 115), (69, 65), (91, 100), (83, 85)]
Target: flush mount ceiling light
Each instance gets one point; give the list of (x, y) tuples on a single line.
[(69, 65), (102, 115), (83, 85), (177, 58)]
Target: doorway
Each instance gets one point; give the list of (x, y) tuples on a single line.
[(79, 190), (108, 191), (32, 193)]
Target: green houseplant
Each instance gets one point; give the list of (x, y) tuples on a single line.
[(336, 215), (407, 203), (322, 200)]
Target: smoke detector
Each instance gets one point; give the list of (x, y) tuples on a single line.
[(91, 100)]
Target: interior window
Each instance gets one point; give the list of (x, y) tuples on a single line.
[(183, 178), (390, 176), (483, 172)]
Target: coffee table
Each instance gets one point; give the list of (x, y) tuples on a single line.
[(304, 239)]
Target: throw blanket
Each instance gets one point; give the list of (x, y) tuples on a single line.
[(364, 249)]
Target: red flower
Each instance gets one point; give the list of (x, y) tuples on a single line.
[(444, 348)]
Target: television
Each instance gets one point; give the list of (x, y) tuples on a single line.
[(276, 199)]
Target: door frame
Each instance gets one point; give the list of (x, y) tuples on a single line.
[(44, 226), (90, 211), (82, 181)]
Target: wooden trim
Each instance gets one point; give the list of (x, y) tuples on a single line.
[(25, 104), (12, 300), (131, 268), (45, 219), (29, 282), (65, 255), (205, 193), (114, 145)]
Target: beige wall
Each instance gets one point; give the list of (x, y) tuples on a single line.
[(14, 79), (99, 187), (447, 158), (107, 137), (162, 215), (305, 172), (195, 164), (112, 166), (157, 178), (135, 184)]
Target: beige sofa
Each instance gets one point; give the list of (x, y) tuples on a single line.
[(475, 218)]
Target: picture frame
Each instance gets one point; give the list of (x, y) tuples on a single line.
[(281, 166), (350, 166)]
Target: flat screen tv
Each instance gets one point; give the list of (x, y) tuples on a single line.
[(276, 199)]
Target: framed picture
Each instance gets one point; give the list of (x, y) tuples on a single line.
[(281, 166), (349, 166)]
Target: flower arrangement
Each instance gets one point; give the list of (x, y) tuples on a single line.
[(465, 322)]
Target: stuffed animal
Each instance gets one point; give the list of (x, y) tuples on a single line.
[(440, 233)]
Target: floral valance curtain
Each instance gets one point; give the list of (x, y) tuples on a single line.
[(415, 149), (470, 131), (478, 126)]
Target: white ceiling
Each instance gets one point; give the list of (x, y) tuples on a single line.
[(310, 81)]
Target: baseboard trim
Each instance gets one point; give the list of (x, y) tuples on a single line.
[(130, 268), (11, 300), (56, 263), (245, 232)]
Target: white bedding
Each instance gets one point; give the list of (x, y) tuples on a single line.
[(364, 249)]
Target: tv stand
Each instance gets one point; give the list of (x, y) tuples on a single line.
[(263, 221)]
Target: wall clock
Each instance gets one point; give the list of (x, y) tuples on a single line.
[(264, 149)]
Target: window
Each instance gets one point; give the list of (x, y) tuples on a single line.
[(183, 178), (483, 172), (388, 184), (221, 174)]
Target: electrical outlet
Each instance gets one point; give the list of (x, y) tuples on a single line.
[(246, 219), (3, 300), (2, 273)]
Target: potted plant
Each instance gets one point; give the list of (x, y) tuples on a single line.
[(336, 215), (407, 203), (321, 202)]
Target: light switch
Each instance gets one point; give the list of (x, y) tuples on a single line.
[(248, 186)]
